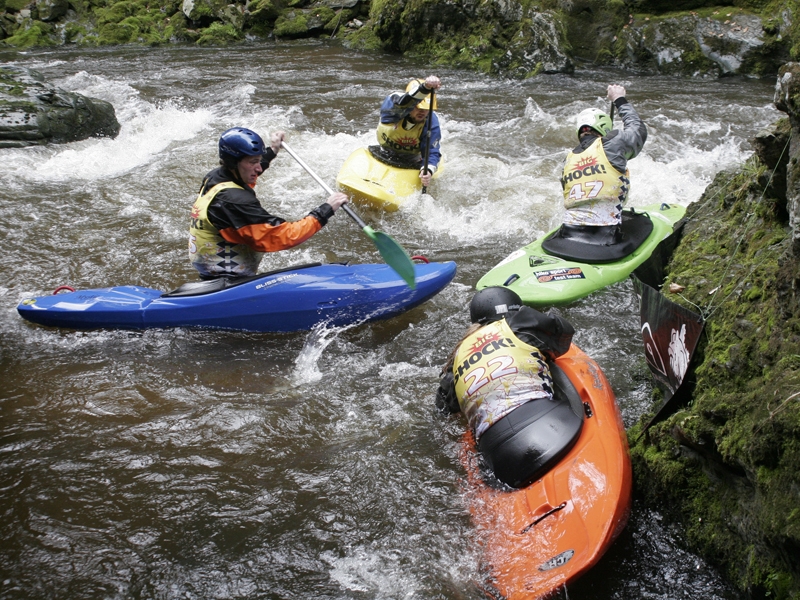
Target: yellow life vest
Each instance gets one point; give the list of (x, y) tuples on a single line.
[(398, 139), (209, 252), (594, 191), (494, 372)]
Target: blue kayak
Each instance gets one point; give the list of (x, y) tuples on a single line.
[(293, 299)]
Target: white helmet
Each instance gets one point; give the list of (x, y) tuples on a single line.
[(594, 118)]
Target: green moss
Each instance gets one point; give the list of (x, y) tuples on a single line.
[(337, 20), (38, 34), (16, 5), (203, 11), (363, 38), (218, 34), (117, 33), (73, 32), (728, 464), (263, 11), (116, 12), (293, 24)]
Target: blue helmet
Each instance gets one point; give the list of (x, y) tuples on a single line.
[(238, 142)]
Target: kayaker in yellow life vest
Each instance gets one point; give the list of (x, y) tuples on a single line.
[(496, 372), (595, 178), (229, 230), (403, 128)]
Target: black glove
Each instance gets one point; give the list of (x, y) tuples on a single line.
[(446, 400)]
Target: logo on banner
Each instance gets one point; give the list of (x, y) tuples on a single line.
[(677, 352)]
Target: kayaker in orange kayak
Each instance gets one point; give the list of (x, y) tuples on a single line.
[(495, 372)]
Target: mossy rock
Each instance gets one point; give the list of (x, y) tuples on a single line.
[(296, 23), (118, 33), (18, 5), (218, 34), (37, 35), (33, 112), (117, 12), (263, 11), (728, 466), (363, 38)]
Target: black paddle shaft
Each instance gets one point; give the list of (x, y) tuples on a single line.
[(428, 142)]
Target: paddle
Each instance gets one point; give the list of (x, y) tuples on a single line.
[(428, 145), (390, 250)]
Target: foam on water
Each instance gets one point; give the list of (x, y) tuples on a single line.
[(147, 131)]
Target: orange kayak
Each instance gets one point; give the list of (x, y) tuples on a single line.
[(538, 539)]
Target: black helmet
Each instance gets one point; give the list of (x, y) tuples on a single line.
[(238, 142), (492, 304)]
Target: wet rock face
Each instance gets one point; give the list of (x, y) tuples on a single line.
[(727, 464), (500, 36), (720, 44), (34, 112), (787, 99), (512, 37), (51, 10)]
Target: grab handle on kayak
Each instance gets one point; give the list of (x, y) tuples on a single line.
[(511, 279), (544, 516)]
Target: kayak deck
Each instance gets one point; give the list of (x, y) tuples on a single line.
[(542, 279), (371, 182), (540, 538)]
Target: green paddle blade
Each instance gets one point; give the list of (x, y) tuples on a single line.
[(394, 255)]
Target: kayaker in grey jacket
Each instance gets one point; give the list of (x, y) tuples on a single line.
[(595, 179)]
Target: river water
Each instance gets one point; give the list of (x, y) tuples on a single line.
[(214, 464)]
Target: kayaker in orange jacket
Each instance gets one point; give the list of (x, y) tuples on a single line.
[(496, 370), (230, 231)]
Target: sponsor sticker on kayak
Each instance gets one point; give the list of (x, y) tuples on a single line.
[(559, 274), (275, 281), (557, 561)]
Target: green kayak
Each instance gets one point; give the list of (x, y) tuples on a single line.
[(570, 263)]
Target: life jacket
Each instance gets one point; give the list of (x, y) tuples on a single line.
[(395, 137), (494, 372), (594, 191), (209, 252)]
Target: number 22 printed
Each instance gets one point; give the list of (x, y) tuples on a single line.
[(500, 366)]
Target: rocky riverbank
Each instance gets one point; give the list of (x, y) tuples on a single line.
[(518, 38), (728, 464)]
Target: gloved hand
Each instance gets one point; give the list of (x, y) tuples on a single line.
[(615, 91), (426, 176), (432, 82), (275, 141)]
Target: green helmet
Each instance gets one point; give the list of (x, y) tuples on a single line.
[(594, 118)]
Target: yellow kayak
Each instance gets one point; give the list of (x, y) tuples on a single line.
[(374, 183)]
